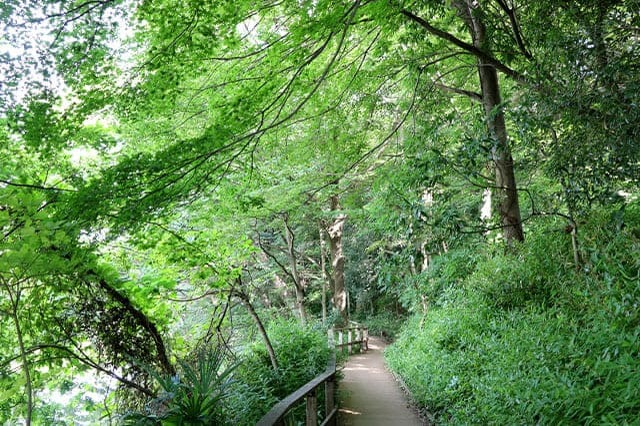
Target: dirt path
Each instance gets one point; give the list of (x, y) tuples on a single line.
[(369, 394)]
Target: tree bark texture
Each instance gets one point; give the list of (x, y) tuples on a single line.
[(295, 275), (335, 231), (505, 184)]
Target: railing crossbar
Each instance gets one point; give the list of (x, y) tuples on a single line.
[(280, 409), (309, 389)]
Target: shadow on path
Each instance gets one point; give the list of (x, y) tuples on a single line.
[(369, 394)]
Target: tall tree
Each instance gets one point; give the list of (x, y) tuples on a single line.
[(473, 16), (509, 206), (335, 230)]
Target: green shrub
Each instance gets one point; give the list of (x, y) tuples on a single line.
[(302, 353), (448, 271), (439, 283), (528, 339), (207, 391), (385, 324), (195, 396)]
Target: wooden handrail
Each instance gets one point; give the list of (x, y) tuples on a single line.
[(309, 390), (361, 337), (278, 411)]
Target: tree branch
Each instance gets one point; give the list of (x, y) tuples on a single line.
[(84, 359), (394, 130), (275, 259), (33, 186), (142, 319), (244, 297), (515, 28), (477, 97), (465, 46)]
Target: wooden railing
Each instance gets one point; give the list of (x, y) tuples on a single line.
[(355, 335), (309, 391)]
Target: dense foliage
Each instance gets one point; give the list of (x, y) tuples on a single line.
[(209, 389), (188, 188), (303, 355), (553, 346)]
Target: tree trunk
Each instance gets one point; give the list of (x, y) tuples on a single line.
[(15, 301), (325, 278), (263, 332), (505, 185), (293, 263), (337, 259), (300, 305), (506, 189)]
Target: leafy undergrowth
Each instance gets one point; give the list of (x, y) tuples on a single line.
[(213, 390), (528, 339), (385, 324), (302, 354)]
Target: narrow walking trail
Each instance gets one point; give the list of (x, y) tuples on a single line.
[(369, 394)]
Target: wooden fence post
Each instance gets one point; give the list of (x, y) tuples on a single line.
[(365, 337), (350, 340), (312, 409), (329, 403), (340, 341), (308, 392), (329, 388)]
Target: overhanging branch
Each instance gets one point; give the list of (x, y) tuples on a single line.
[(515, 28), (484, 56), (34, 186), (472, 95)]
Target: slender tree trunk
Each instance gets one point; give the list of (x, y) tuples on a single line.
[(335, 231), (15, 301), (300, 305), (263, 332), (426, 263), (412, 265), (325, 278), (293, 263), (26, 369), (506, 189), (291, 271), (485, 208), (576, 249)]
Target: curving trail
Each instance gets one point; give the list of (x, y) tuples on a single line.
[(369, 394)]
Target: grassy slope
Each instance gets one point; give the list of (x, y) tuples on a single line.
[(527, 339)]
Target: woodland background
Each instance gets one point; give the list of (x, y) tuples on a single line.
[(192, 191)]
